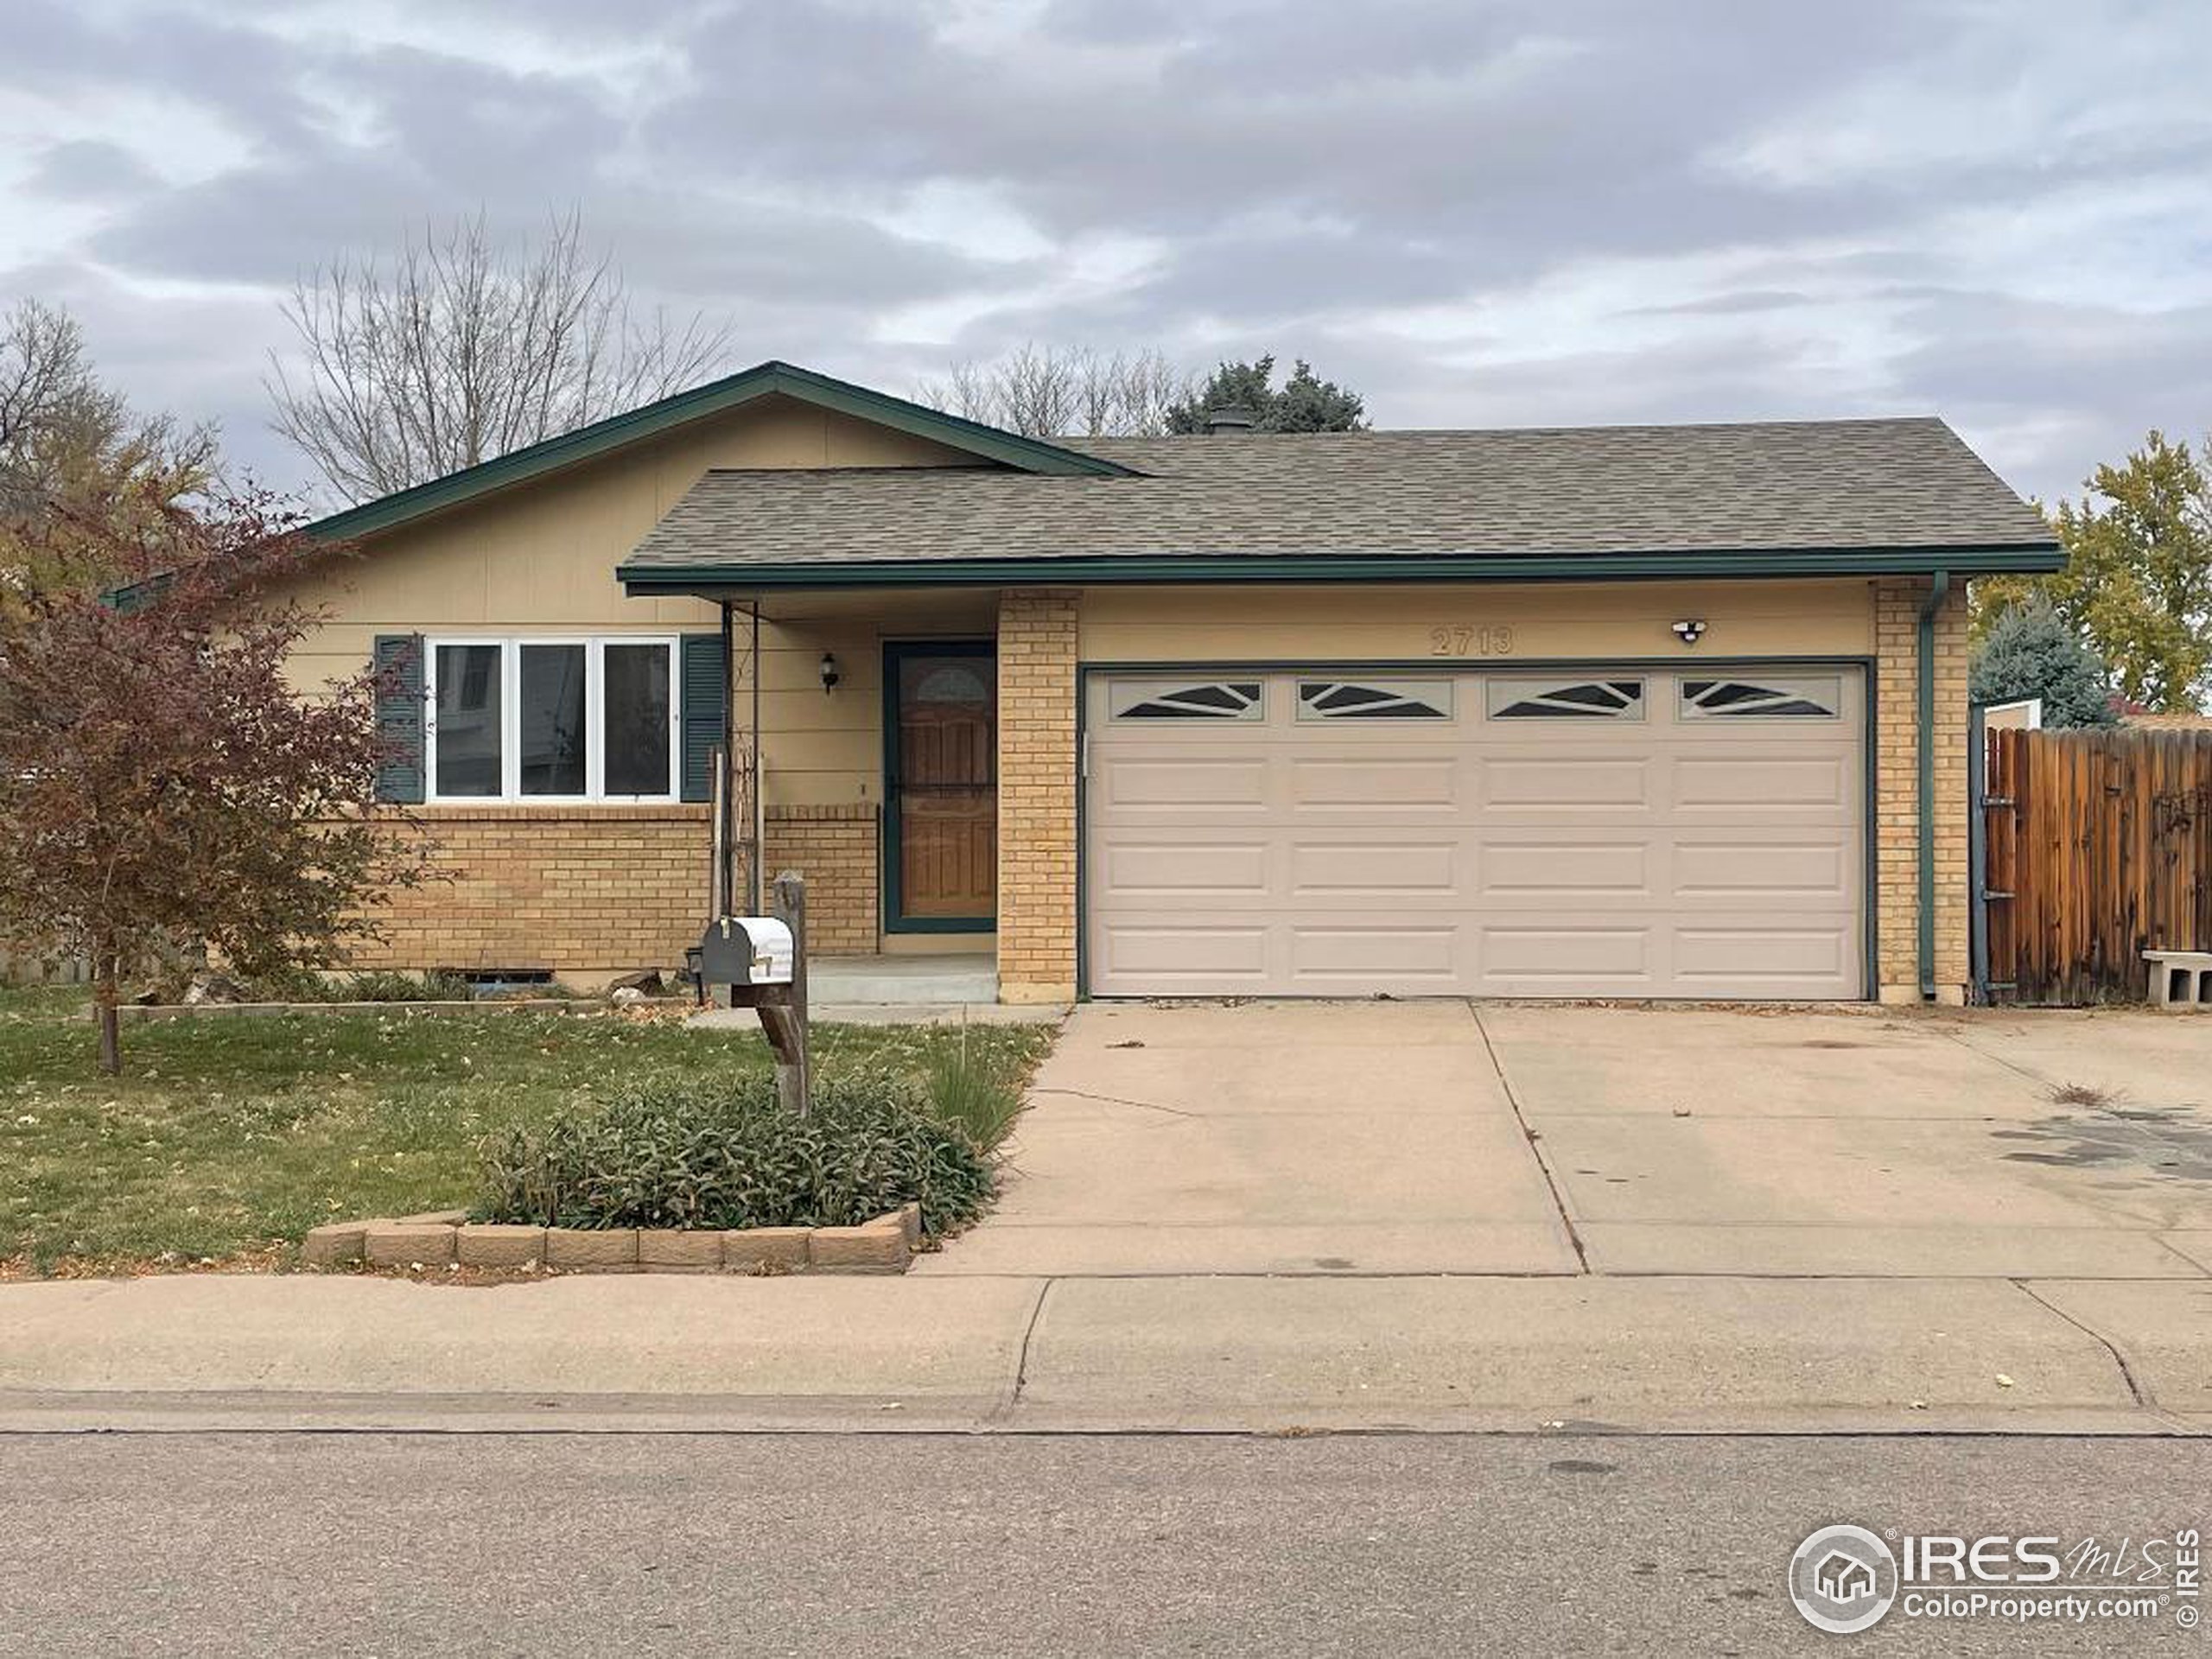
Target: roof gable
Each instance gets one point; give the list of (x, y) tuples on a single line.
[(986, 443)]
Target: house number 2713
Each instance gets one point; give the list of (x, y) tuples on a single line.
[(1470, 642)]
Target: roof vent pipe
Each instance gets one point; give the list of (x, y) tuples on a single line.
[(1231, 417)]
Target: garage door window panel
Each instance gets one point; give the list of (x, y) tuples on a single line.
[(1374, 700), (1186, 700), (1817, 698), (1567, 699)]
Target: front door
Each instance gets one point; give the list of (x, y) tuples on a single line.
[(941, 786)]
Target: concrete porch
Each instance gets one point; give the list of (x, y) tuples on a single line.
[(903, 989)]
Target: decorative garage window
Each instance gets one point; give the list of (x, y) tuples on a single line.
[(552, 719), (1567, 699), (1187, 700), (1374, 699), (1817, 698)]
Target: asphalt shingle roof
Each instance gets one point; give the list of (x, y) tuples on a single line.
[(1904, 483)]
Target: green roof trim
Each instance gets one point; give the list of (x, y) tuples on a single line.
[(1096, 570), (600, 437)]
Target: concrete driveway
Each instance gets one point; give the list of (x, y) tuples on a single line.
[(1331, 1139)]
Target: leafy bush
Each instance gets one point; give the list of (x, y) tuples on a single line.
[(676, 1155)]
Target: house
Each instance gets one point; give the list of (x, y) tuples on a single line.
[(1671, 711)]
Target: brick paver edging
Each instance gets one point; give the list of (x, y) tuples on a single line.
[(442, 1239)]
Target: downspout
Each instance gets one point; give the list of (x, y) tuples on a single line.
[(1925, 663)]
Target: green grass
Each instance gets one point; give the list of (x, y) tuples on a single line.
[(231, 1135)]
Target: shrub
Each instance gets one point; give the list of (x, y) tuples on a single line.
[(972, 1095), (678, 1155)]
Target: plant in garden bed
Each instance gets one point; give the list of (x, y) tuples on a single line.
[(684, 1155)]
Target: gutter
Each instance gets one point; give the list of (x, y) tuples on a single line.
[(1924, 661)]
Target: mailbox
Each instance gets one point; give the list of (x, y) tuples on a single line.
[(742, 950)]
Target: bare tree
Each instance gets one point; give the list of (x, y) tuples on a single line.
[(460, 349), (1054, 391), (66, 438), (58, 419)]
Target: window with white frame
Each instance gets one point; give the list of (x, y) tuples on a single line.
[(553, 719)]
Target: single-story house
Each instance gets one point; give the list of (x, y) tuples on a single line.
[(1643, 711)]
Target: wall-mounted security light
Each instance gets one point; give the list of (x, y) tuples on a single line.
[(1690, 631), (830, 676)]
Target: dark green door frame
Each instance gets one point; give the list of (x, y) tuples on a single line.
[(895, 652)]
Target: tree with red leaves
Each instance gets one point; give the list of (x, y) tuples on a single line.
[(162, 784)]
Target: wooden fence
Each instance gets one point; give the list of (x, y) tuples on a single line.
[(2096, 847)]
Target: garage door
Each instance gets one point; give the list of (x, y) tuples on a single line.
[(1595, 832)]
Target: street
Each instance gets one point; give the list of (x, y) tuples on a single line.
[(494, 1544)]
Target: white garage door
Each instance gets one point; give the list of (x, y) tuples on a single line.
[(1594, 832)]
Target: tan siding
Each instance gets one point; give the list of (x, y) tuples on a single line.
[(1561, 620), (541, 558)]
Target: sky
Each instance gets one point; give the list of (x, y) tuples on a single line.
[(1475, 213)]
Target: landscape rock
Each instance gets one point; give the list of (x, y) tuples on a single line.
[(879, 1246), (765, 1249), (591, 1247), (405, 1244), (496, 1245)]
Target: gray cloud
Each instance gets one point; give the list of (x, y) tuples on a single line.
[(1529, 211)]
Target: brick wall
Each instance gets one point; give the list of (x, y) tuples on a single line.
[(1896, 802), (591, 893), (1037, 770), (834, 849)]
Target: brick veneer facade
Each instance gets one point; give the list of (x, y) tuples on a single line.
[(1036, 771), (1897, 790), (593, 892), (834, 849)]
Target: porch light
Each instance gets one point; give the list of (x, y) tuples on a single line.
[(830, 676)]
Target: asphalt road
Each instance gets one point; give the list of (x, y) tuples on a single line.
[(463, 1544)]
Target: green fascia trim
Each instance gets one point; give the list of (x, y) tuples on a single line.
[(1096, 571), (987, 443)]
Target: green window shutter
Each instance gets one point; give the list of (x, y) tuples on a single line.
[(706, 711), (399, 662)]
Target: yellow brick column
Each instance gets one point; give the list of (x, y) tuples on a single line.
[(1036, 775), (1896, 800)]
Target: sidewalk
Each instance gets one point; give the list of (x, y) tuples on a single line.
[(1227, 1354)]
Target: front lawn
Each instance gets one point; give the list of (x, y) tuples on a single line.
[(231, 1136)]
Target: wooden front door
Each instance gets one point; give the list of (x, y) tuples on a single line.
[(942, 786)]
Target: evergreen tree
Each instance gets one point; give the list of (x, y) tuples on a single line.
[(2029, 652), (1305, 402)]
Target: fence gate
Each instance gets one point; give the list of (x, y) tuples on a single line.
[(2092, 847)]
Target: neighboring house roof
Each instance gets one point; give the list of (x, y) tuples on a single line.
[(1759, 499), (986, 443)]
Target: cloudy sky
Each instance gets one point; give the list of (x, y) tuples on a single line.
[(1475, 212)]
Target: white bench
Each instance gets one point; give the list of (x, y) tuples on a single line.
[(2181, 979)]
